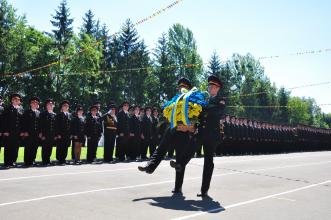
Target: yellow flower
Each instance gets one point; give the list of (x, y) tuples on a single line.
[(194, 111)]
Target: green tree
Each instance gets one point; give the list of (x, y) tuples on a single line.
[(283, 114), (88, 23), (62, 35), (164, 71), (183, 50), (63, 27), (214, 66)]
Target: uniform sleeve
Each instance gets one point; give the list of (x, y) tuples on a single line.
[(73, 130), (6, 120), (25, 122)]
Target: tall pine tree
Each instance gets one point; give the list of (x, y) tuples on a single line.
[(214, 66), (62, 35), (63, 27), (88, 23), (164, 70), (183, 50)]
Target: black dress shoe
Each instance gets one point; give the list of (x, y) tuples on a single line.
[(145, 169), (203, 195), (177, 191)]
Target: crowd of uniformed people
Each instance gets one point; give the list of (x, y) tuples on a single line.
[(245, 136), (131, 131)]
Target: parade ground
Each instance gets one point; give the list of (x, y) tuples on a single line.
[(284, 186)]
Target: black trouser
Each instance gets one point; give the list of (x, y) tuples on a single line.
[(209, 147), (109, 142), (160, 152), (92, 146), (62, 149), (30, 150), (171, 151), (121, 146), (147, 142), (12, 143), (134, 147), (181, 143), (46, 150), (208, 166)]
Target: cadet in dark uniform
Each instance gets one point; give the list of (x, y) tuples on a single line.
[(123, 130), (78, 133), (167, 140), (220, 148), (98, 105), (31, 131), (210, 130), (155, 136), (12, 129), (110, 133), (63, 122), (227, 135), (135, 134), (208, 133), (93, 130), (1, 122), (147, 135), (47, 131)]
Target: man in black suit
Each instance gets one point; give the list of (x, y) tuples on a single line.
[(123, 131), (12, 129), (93, 130), (47, 131), (31, 119), (135, 134), (208, 134), (63, 122), (147, 135), (168, 139), (155, 136)]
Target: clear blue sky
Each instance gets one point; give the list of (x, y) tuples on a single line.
[(261, 27)]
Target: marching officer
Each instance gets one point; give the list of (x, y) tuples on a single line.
[(210, 130), (208, 135), (167, 141), (93, 130), (110, 132), (12, 129), (63, 122), (47, 131), (31, 131)]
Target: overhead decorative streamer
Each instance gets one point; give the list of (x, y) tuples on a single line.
[(99, 41)]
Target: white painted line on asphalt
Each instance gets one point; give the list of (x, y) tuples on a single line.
[(286, 199), (144, 185), (286, 156), (97, 190), (251, 201), (69, 173), (133, 168)]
